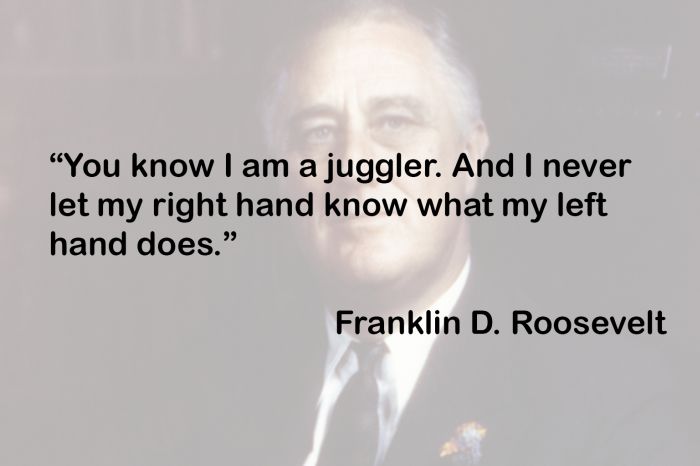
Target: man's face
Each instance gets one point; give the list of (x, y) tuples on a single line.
[(368, 90)]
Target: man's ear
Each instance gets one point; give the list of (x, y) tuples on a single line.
[(477, 143)]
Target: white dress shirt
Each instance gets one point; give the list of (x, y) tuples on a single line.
[(397, 378)]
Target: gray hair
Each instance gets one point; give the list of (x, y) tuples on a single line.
[(466, 107)]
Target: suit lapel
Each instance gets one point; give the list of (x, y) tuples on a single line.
[(466, 379)]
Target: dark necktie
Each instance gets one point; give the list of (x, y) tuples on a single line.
[(352, 436)]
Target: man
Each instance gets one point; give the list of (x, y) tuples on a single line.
[(372, 82)]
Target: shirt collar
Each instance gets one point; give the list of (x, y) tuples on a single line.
[(410, 352)]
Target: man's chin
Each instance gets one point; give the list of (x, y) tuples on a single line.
[(370, 270)]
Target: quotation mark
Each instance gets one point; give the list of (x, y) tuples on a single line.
[(56, 157), (228, 236)]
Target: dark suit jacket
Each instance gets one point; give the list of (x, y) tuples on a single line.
[(544, 400)]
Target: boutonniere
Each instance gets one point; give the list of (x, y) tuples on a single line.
[(465, 446)]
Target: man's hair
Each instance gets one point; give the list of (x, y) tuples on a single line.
[(431, 22)]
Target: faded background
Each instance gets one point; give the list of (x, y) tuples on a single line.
[(143, 361)]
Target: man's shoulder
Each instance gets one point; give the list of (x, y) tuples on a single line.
[(575, 399), (577, 403)]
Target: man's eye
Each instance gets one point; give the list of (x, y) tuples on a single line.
[(319, 135), (392, 123)]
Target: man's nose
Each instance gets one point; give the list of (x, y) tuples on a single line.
[(357, 144)]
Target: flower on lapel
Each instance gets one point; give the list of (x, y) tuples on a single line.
[(465, 446)]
